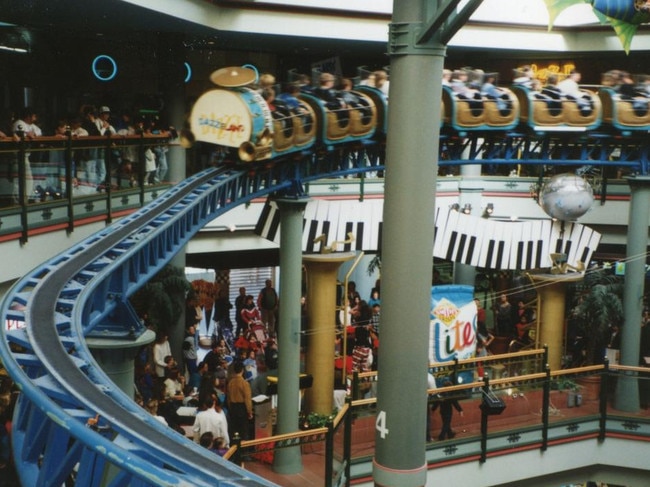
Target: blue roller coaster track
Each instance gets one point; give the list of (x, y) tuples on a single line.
[(84, 292)]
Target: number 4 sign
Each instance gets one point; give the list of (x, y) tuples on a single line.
[(380, 424)]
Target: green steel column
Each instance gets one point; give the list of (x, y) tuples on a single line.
[(407, 254), (116, 358), (288, 460), (627, 386), (171, 67), (172, 85)]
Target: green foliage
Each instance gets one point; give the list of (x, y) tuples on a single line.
[(374, 265), (315, 420), (596, 309), (162, 299), (564, 384)]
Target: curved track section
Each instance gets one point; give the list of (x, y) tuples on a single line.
[(84, 293)]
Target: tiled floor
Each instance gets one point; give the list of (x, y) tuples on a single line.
[(313, 472)]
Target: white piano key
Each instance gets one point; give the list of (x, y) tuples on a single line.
[(377, 217), (487, 237), (475, 241), (503, 257), (588, 250), (442, 215), (443, 243), (310, 227), (334, 217), (308, 218), (515, 237), (466, 226), (321, 217), (580, 237)]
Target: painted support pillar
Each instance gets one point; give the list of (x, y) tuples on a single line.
[(627, 386), (115, 357), (407, 252), (172, 86), (551, 289), (288, 460), (322, 271)]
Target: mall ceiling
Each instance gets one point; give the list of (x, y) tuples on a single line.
[(115, 19)]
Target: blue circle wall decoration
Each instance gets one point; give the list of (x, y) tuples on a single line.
[(101, 73)]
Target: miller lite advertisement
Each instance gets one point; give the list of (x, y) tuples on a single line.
[(453, 323)]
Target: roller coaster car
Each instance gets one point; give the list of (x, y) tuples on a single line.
[(357, 120), (539, 110), (240, 119), (579, 117), (462, 113), (293, 128), (508, 115), (381, 107), (624, 114)]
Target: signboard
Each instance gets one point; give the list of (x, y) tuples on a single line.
[(452, 327)]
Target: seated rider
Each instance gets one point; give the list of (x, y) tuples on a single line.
[(553, 94), (331, 97), (570, 88)]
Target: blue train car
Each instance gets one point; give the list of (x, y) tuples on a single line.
[(542, 113), (625, 114), (480, 113)]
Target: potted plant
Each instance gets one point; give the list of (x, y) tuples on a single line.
[(597, 306)]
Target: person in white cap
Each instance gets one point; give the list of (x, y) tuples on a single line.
[(103, 121), (105, 128)]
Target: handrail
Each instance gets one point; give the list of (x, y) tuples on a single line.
[(285, 437)]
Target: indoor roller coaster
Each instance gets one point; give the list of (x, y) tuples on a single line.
[(84, 292)]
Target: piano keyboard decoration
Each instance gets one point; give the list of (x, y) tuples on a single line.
[(479, 242)]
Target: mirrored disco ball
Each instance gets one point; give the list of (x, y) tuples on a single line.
[(566, 197)]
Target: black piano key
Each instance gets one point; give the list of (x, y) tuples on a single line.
[(313, 226), (326, 231), (348, 230), (470, 249), (461, 248), (585, 254), (490, 252), (520, 254), (261, 222), (451, 246), (567, 248), (500, 249), (359, 236), (529, 254), (274, 226)]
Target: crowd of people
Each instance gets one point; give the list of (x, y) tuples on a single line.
[(220, 377), (92, 167)]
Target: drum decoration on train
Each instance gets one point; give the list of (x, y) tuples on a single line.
[(623, 15), (236, 117)]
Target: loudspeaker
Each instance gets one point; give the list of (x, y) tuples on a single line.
[(492, 405)]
